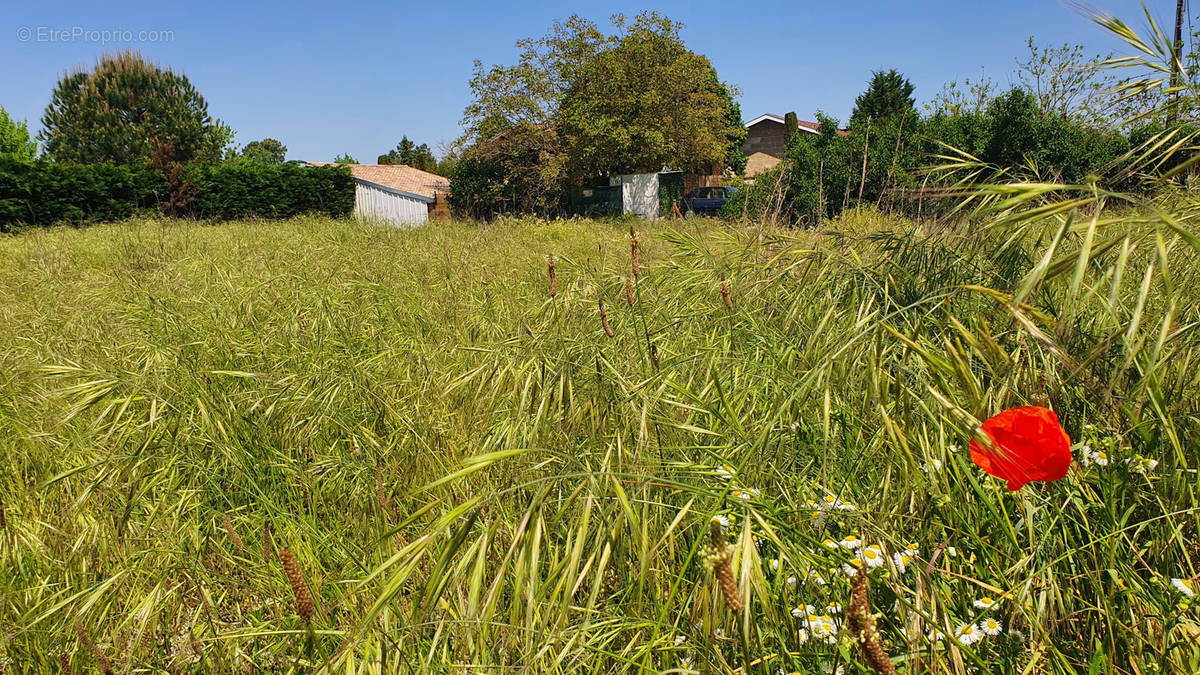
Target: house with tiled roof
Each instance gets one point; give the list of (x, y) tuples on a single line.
[(395, 193), (766, 141)]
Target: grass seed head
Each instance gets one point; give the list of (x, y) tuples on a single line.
[(304, 601), (862, 624), (233, 535), (266, 542), (629, 291), (553, 277), (719, 555), (604, 320), (101, 660), (725, 296)]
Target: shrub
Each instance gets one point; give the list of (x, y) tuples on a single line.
[(43, 193)]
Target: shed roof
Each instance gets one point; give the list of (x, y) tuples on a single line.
[(399, 177)]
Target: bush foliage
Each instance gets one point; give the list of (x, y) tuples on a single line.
[(44, 193)]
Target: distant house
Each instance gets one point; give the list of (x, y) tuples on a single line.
[(766, 141), (396, 193)]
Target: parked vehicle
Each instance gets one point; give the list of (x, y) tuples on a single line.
[(706, 201)]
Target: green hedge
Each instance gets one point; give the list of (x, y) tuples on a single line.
[(253, 190), (44, 193)]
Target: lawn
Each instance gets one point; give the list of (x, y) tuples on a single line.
[(318, 445)]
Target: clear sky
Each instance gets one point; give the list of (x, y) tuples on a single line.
[(327, 78)]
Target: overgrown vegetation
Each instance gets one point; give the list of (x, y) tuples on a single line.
[(45, 193)]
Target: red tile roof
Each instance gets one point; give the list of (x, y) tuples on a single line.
[(399, 177)]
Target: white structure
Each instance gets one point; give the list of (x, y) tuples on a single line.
[(396, 194), (373, 201), (639, 194)]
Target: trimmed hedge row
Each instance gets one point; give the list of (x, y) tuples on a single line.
[(44, 193)]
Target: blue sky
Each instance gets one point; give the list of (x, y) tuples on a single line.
[(326, 78)]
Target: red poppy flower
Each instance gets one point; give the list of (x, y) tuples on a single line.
[(1028, 444)]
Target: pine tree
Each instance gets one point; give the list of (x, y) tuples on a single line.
[(888, 95)]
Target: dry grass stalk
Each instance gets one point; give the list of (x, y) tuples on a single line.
[(267, 542), (604, 320), (720, 556), (233, 535), (304, 601), (3, 519), (862, 625), (553, 277), (629, 291), (725, 296), (635, 263), (101, 660)]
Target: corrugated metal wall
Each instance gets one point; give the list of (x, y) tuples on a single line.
[(639, 193), (371, 203)]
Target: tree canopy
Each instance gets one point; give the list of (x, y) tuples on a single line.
[(888, 95), (409, 153), (15, 142), (125, 110), (266, 151)]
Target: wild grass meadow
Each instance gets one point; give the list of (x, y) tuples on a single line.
[(321, 446)]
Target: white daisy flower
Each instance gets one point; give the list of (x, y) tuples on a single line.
[(803, 611), (984, 603), (746, 495), (723, 521), (833, 608), (851, 568), (936, 636), (1141, 464), (990, 626), (902, 560), (952, 552), (872, 556), (830, 544), (791, 581), (1185, 586), (952, 448), (850, 542), (795, 426), (933, 465), (829, 502), (967, 634), (726, 472), (680, 639), (802, 635), (685, 662), (1100, 457), (816, 578), (774, 564), (1085, 455), (829, 669)]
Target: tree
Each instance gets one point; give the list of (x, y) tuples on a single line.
[(344, 158), (646, 103), (266, 151), (15, 142), (125, 110), (411, 154), (888, 95), (1066, 81)]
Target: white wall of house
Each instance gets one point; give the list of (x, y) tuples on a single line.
[(378, 203), (639, 194)]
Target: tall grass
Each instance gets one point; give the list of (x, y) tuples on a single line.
[(470, 474)]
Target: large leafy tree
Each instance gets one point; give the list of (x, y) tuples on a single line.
[(126, 110), (647, 103), (408, 152), (15, 142), (266, 151), (582, 104)]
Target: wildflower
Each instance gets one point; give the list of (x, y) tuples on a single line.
[(1100, 458), (726, 472), (791, 581), (952, 552), (830, 544), (830, 669), (850, 542), (936, 635), (747, 494), (1142, 465), (847, 506), (967, 634), (1087, 456), (984, 603), (833, 608), (932, 465), (830, 502), (1026, 444), (1185, 586), (851, 569), (723, 521), (803, 611), (990, 626), (774, 564), (952, 448), (816, 578), (802, 635), (685, 662), (823, 628), (680, 639), (872, 556), (795, 426), (902, 560)]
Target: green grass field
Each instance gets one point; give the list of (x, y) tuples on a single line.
[(473, 476)]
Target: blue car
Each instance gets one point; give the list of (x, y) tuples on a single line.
[(706, 201)]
